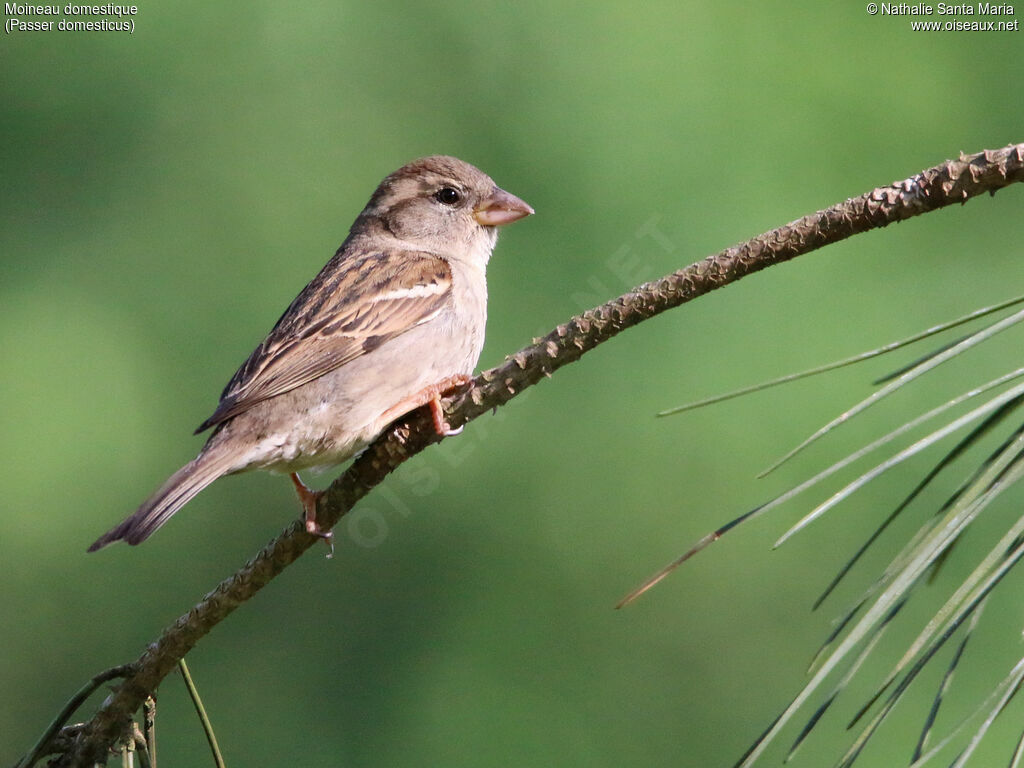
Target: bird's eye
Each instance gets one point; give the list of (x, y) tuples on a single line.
[(448, 195)]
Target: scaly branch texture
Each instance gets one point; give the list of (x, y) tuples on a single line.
[(952, 182)]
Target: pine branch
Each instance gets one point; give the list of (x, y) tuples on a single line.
[(951, 182)]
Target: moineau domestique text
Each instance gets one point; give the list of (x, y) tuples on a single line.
[(13, 9)]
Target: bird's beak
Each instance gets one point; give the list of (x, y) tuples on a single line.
[(500, 208)]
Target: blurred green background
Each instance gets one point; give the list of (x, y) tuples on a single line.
[(167, 193)]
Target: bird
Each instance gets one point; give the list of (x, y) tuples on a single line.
[(394, 320)]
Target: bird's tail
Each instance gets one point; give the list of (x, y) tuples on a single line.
[(179, 489)]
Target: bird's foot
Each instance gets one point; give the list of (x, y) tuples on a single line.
[(432, 396), (441, 426), (309, 499)]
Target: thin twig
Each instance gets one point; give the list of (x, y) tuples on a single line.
[(141, 748), (149, 727), (197, 702)]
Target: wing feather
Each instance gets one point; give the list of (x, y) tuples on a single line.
[(359, 300)]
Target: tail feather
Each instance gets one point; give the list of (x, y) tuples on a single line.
[(179, 489)]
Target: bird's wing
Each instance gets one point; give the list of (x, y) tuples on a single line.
[(358, 301)]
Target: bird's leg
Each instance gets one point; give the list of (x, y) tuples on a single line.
[(446, 385), (309, 498), (431, 396)]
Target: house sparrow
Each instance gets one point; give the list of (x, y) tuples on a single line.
[(392, 321)]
